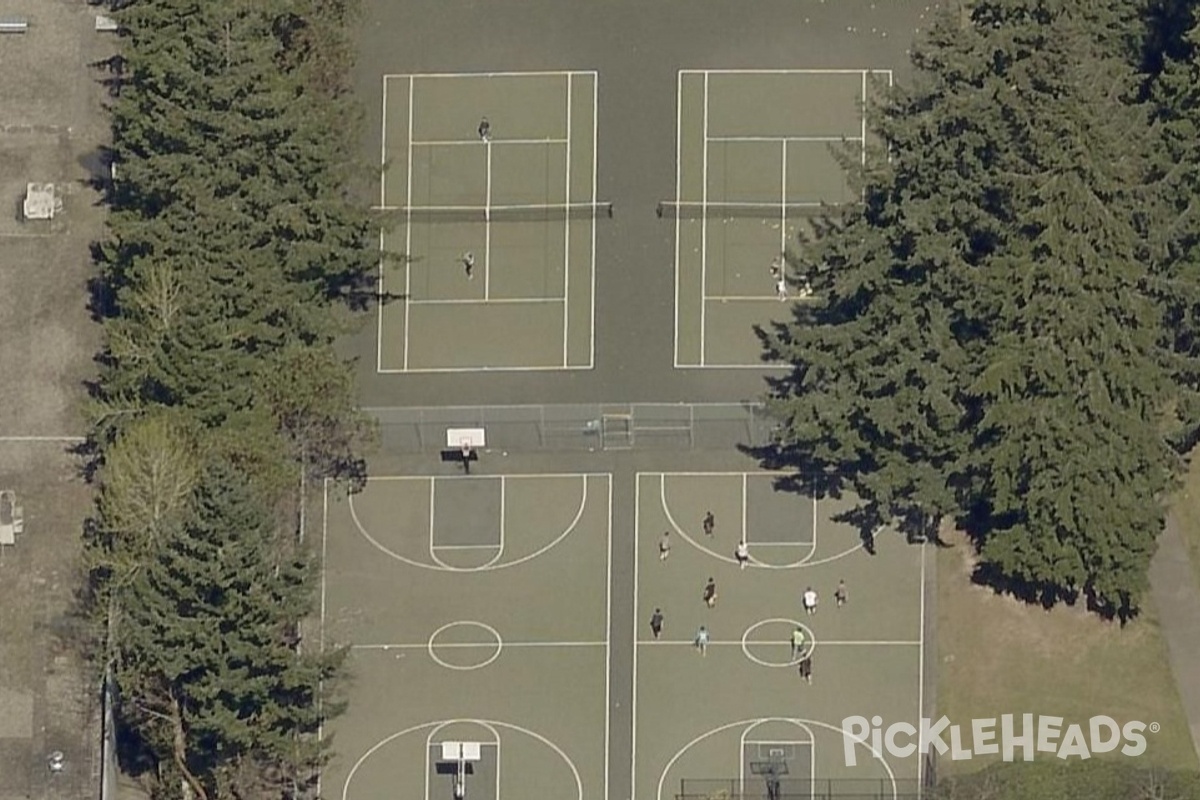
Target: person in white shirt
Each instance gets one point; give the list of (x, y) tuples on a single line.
[(810, 601), (742, 554)]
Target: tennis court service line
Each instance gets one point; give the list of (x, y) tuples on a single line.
[(789, 139), (508, 74), (475, 142)]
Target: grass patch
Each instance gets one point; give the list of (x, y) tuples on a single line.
[(999, 656), (1185, 506)]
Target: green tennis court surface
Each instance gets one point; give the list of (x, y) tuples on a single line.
[(726, 714), (490, 257), (757, 158)]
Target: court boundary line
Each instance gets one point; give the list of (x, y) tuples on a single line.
[(705, 298), (382, 237), (921, 673), (608, 645), (821, 642), (678, 192), (40, 439), (637, 583), (704, 235), (487, 221), (489, 301), (407, 226), (567, 235), (591, 363), (405, 367), (543, 73)]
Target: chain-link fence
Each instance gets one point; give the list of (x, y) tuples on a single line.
[(651, 426), (759, 788)]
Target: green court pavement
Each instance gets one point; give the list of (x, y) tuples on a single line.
[(528, 301), (695, 713), (758, 155), (476, 610)]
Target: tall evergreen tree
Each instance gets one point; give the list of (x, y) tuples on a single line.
[(987, 348), (206, 659)]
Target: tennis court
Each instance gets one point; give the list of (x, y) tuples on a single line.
[(757, 158), (740, 715), (476, 609), (488, 257)]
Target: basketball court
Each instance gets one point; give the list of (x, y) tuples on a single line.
[(476, 612), (739, 716), (489, 245), (757, 158)]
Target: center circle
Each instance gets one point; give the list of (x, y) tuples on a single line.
[(467, 640), (784, 640)]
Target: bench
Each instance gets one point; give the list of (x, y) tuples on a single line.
[(13, 25)]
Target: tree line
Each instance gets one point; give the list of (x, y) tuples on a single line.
[(235, 254), (1007, 332)]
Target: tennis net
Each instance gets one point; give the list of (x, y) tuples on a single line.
[(693, 210), (503, 213)]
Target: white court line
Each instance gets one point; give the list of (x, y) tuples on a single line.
[(321, 624), (503, 514), (507, 74), (567, 236), (783, 198), (32, 439), (408, 222), (482, 368), (509, 476), (786, 139), (704, 230), (814, 528), (754, 298), (637, 550), (595, 189), (467, 546), (469, 645), (475, 142), (608, 643), (745, 530), (383, 200), (432, 497), (492, 301), (739, 643), (786, 544), (678, 190), (862, 193), (768, 365), (921, 668), (776, 71), (487, 226)]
